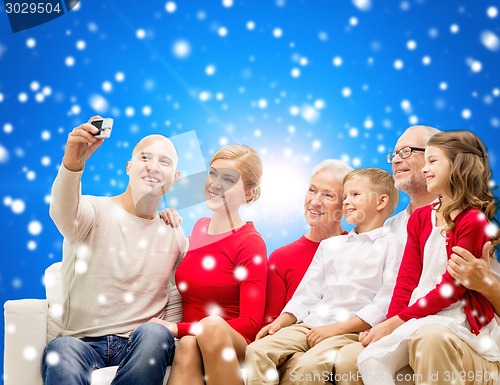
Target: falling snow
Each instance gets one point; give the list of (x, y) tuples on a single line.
[(298, 90)]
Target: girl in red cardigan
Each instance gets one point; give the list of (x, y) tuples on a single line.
[(456, 168)]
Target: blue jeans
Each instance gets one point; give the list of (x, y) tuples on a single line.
[(142, 358)]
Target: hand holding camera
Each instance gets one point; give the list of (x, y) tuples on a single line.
[(84, 140)]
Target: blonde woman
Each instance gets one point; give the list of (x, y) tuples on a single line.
[(222, 279)]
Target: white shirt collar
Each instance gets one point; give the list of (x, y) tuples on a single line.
[(372, 234)]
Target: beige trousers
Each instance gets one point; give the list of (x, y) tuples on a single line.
[(307, 365), (439, 357)]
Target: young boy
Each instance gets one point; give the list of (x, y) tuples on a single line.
[(347, 289)]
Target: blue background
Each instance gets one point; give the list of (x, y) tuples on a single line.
[(271, 82)]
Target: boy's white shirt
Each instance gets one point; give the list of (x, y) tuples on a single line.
[(350, 275)]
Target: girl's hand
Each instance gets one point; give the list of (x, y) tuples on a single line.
[(381, 330), (171, 217)]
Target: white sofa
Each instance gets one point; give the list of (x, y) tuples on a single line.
[(31, 323)]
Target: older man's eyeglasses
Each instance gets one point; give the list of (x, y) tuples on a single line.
[(403, 153)]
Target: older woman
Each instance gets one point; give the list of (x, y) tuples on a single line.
[(288, 264)]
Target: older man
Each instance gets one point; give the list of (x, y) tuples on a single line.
[(433, 349), (117, 258)]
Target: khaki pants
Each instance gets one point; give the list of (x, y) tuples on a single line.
[(307, 365), (439, 357)]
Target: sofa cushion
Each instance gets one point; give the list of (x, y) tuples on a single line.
[(53, 291)]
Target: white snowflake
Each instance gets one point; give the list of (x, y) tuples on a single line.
[(208, 262), (30, 353), (210, 70), (128, 297), (170, 7), (31, 43), (181, 49), (228, 354), (422, 302), (257, 259), (80, 45), (490, 40), (4, 155), (492, 12), (271, 375), (398, 64), (346, 92), (362, 5), (69, 61), (34, 227), (295, 72), (337, 61), (196, 329), (262, 103), (446, 290), (22, 97), (98, 103), (205, 96), (17, 206), (101, 299), (353, 132), (240, 273), (222, 31), (491, 230), (277, 33)]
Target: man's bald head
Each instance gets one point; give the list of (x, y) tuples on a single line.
[(149, 140)]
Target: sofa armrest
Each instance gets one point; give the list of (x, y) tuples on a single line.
[(25, 340)]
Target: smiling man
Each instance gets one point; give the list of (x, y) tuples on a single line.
[(407, 161), (117, 258), (445, 354)]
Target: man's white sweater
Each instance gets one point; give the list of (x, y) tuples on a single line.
[(116, 266)]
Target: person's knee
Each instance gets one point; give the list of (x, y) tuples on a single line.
[(346, 363), (306, 367), (214, 333), (60, 351), (431, 340), (186, 351), (64, 358), (154, 338), (154, 332)]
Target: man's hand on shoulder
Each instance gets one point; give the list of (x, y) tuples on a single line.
[(80, 145)]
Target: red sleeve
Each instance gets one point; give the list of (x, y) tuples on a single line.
[(468, 233), (409, 271), (276, 289), (252, 287), (184, 329)]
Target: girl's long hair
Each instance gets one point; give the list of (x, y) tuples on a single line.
[(470, 176)]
